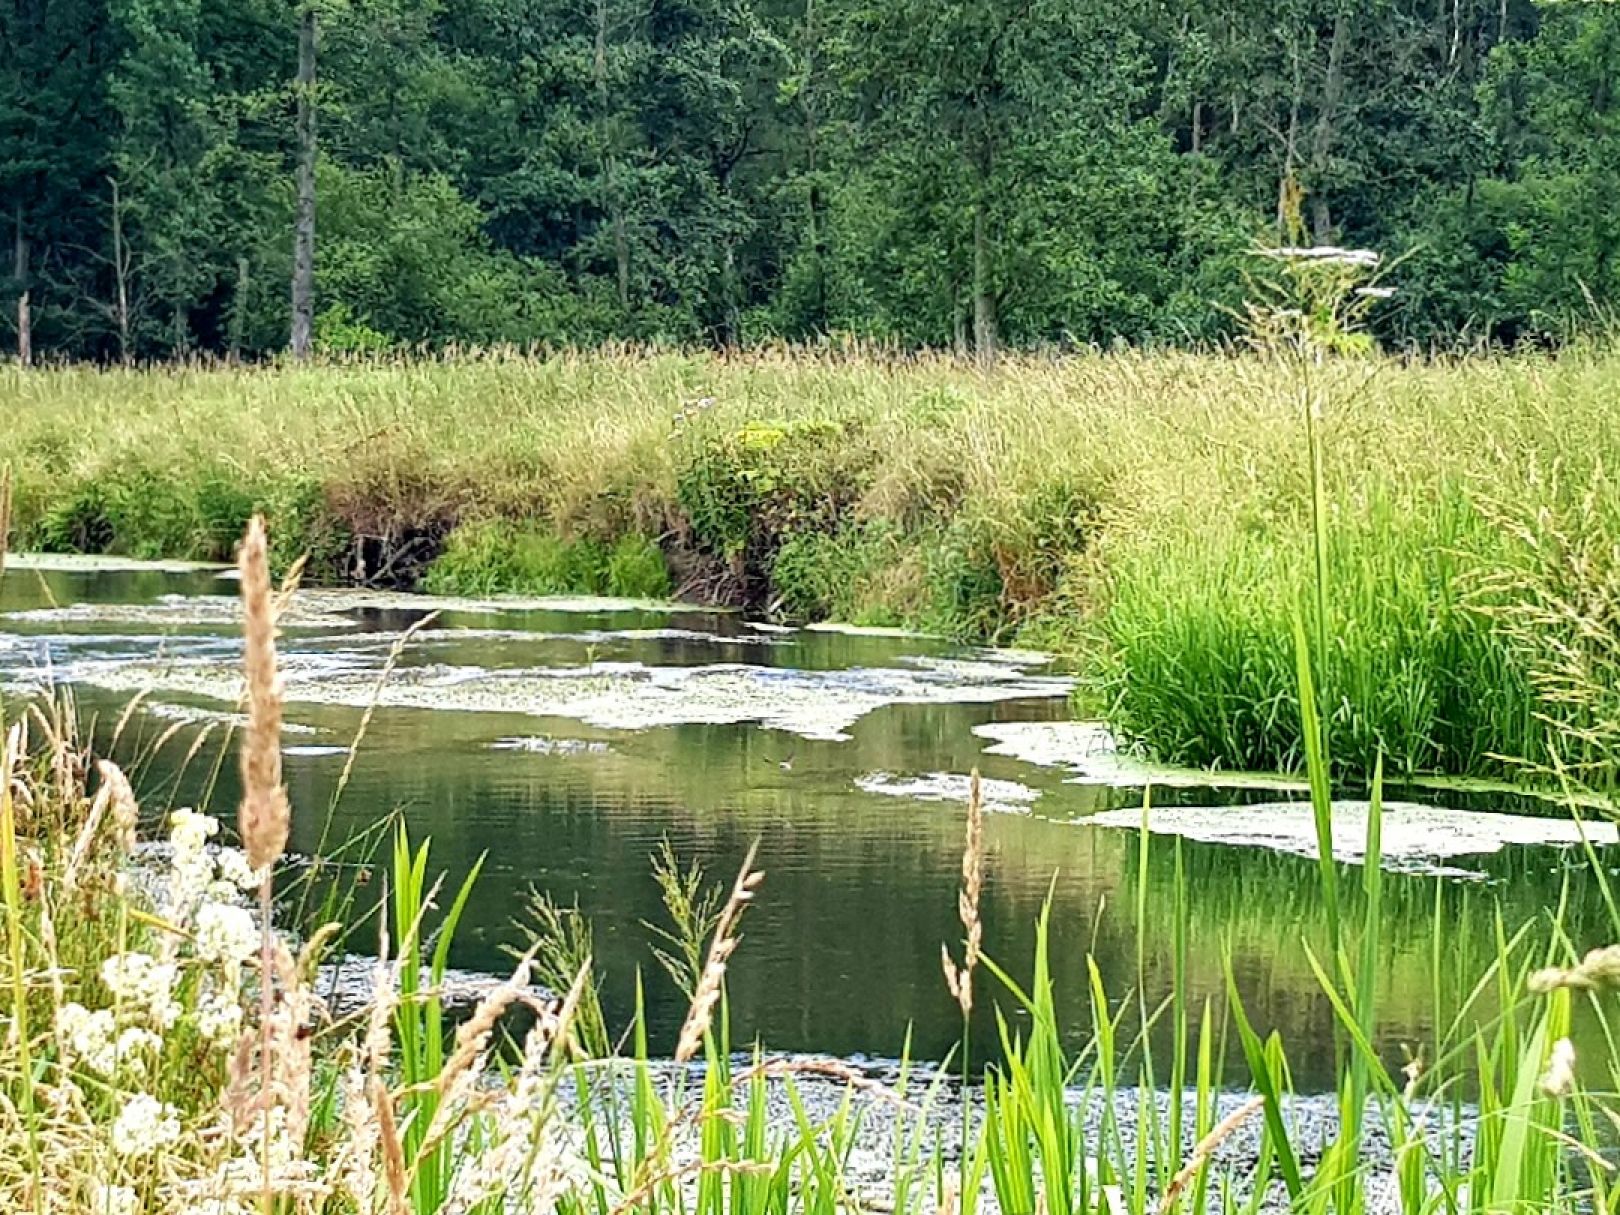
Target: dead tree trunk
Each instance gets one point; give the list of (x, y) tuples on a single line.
[(19, 270), (303, 276), (239, 307), (122, 265), (985, 338), (1322, 138)]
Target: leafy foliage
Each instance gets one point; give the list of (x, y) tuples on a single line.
[(730, 171)]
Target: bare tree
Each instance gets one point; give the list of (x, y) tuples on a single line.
[(19, 270), (120, 310), (303, 276), (122, 264)]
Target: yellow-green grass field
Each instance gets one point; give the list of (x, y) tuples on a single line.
[(1147, 516)]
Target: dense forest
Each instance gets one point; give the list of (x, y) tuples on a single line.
[(967, 173)]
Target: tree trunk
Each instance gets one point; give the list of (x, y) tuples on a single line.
[(19, 269), (121, 270), (239, 307), (303, 277), (984, 300), (610, 163), (731, 308), (812, 140), (1287, 183), (1323, 136)]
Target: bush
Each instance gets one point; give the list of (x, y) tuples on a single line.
[(493, 557), (636, 570), (743, 490)]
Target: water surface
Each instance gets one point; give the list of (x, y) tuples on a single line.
[(564, 743)]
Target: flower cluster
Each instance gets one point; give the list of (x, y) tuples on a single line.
[(219, 1016), (109, 1199), (144, 1125), (226, 934), (191, 869), (96, 1041), (140, 982)]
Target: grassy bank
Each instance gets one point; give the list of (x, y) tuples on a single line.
[(1149, 515)]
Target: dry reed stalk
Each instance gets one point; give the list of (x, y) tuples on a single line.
[(725, 1168), (393, 1151), (126, 813), (563, 1022), (724, 944), (263, 823), (379, 1039), (457, 1079), (960, 980), (87, 835), (1204, 1148), (395, 652), (264, 817)]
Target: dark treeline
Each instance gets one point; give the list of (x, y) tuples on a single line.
[(941, 172)]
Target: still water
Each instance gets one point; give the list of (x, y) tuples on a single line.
[(563, 743)]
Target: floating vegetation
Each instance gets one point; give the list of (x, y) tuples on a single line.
[(999, 796), (620, 696), (1412, 835), (1090, 750)]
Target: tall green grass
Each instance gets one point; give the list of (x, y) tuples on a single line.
[(1148, 516)]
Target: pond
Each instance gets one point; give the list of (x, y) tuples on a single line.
[(564, 741)]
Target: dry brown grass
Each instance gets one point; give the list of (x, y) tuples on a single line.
[(721, 947), (960, 979)]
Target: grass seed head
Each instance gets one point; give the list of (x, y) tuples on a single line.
[(265, 816)]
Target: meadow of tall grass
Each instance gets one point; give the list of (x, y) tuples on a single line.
[(1146, 515), (164, 1049)]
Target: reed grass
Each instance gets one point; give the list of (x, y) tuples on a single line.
[(1150, 516)]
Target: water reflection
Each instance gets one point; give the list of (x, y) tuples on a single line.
[(841, 953)]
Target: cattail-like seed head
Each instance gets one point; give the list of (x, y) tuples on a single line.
[(724, 944), (1559, 1078), (959, 980), (1599, 970), (125, 812), (393, 1150), (265, 816)]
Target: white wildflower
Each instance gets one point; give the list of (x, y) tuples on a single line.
[(141, 981), (219, 1017), (106, 1199), (226, 934), (189, 832), (144, 1125), (234, 868), (134, 1045), (190, 868), (218, 1206), (90, 1036)]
